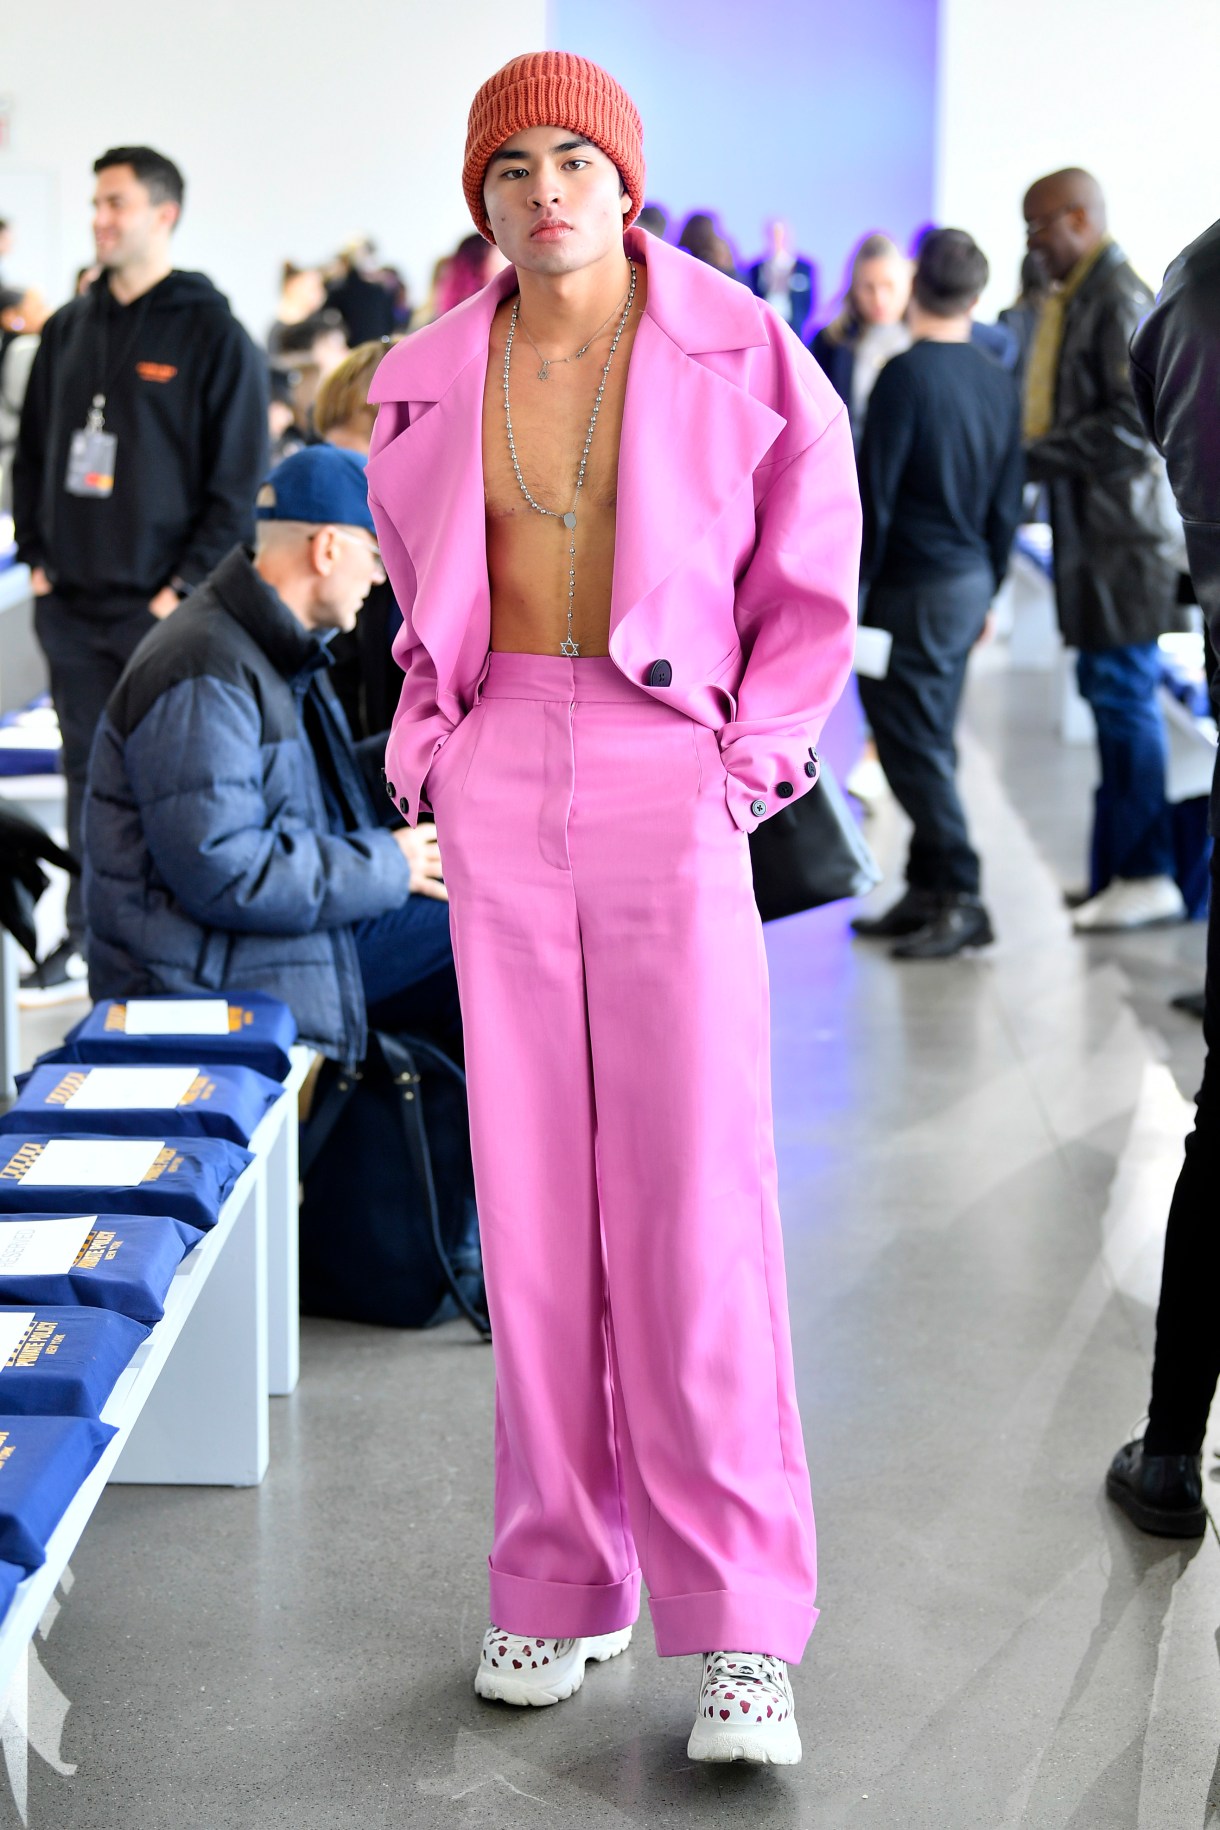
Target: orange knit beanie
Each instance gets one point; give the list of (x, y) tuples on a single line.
[(553, 89)]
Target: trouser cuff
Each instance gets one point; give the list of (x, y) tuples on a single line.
[(729, 1621), (562, 1610)]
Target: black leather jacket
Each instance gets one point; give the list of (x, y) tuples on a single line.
[(1115, 581), (1175, 370)]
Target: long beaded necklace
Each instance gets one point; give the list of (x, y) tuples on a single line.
[(569, 646)]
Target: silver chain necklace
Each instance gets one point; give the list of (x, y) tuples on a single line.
[(569, 646), (548, 362)]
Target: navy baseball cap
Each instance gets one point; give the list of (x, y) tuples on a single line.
[(322, 485)]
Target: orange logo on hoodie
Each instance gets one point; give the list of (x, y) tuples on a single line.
[(155, 371)]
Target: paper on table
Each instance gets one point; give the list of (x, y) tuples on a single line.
[(92, 1162), (43, 1248), (124, 1089), (13, 1325), (168, 1017)]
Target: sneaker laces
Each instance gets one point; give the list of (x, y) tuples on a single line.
[(746, 1667), (745, 1681)]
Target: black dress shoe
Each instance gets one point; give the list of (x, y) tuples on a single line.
[(1162, 1494), (913, 911), (961, 922)]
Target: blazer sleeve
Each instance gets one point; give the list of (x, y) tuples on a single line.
[(795, 611), (419, 727)]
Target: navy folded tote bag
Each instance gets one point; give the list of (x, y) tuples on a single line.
[(389, 1229)]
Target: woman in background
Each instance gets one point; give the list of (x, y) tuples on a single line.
[(868, 327)]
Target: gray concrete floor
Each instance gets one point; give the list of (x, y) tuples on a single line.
[(976, 1161)]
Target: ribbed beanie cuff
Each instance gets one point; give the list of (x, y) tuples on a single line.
[(553, 89)]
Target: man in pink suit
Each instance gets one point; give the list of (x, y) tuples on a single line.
[(617, 502)]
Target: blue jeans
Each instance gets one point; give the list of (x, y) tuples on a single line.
[(406, 962), (1132, 836)]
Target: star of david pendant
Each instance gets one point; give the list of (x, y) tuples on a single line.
[(568, 646)]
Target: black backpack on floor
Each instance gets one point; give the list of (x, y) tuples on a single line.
[(389, 1229)]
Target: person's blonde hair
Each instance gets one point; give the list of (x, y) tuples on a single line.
[(342, 398), (846, 321)]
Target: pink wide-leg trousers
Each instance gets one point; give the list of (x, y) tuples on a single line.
[(615, 1006)]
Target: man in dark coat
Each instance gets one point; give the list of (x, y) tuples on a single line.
[(231, 841), (1115, 574), (1175, 366), (785, 278)]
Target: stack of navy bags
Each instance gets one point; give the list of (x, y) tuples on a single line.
[(62, 1362), (123, 1262), (242, 1029), (186, 1179), (43, 1463), (192, 1100)]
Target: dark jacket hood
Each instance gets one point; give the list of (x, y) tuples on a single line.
[(178, 291)]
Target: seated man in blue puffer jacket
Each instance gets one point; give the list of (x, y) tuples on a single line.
[(231, 837)]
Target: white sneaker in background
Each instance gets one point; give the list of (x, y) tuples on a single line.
[(866, 782), (534, 1672), (745, 1711), (1131, 902)]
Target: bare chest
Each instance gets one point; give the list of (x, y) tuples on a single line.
[(557, 424)]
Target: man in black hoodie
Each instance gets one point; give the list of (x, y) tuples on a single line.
[(143, 441)]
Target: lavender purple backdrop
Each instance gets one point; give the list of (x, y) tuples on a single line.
[(823, 113)]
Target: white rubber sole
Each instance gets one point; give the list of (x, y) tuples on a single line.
[(776, 1744), (563, 1680)]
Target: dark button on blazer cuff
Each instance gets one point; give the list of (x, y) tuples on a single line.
[(660, 674), (390, 789), (404, 807), (811, 768), (784, 790)]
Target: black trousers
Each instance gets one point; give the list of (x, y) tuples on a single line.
[(1187, 1362), (87, 642), (913, 715)]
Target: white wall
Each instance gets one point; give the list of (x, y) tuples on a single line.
[(1126, 88), (297, 126)]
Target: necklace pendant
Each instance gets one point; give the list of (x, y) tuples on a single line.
[(544, 373), (569, 519), (569, 646)]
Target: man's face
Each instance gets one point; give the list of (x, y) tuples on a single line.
[(554, 202), (882, 290), (127, 225), (353, 567), (1056, 230)]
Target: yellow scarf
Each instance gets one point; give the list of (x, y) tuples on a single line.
[(1043, 372)]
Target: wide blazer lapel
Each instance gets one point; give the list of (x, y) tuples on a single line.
[(691, 440), (429, 477)]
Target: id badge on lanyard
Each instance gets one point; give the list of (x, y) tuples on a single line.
[(92, 454)]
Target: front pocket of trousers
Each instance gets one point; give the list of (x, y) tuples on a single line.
[(458, 766)]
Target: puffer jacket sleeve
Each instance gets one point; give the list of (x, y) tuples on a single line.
[(195, 765)]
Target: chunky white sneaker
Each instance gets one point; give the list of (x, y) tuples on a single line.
[(1130, 902), (535, 1672), (745, 1711)]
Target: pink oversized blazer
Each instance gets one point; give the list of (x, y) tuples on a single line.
[(737, 541)]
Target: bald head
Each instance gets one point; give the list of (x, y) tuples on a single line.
[(1065, 219)]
